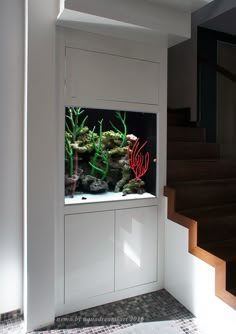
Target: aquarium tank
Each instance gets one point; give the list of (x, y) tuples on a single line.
[(109, 155)]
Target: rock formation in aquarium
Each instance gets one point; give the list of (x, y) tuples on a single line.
[(106, 160), (125, 173), (134, 186), (91, 184)]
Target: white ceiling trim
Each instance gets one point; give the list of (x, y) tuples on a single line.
[(141, 20)]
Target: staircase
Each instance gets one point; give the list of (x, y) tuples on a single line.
[(201, 191)]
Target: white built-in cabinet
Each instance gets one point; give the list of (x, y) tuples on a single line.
[(109, 251)]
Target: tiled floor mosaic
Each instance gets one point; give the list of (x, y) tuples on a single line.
[(155, 306), (12, 326)]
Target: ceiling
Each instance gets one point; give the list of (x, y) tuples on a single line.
[(162, 22), (225, 22), (185, 5)]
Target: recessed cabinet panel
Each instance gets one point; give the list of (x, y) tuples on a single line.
[(136, 247), (100, 76), (89, 255)]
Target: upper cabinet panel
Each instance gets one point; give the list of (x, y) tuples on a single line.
[(100, 76)]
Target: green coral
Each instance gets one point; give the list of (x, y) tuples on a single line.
[(123, 133), (69, 153), (73, 129), (100, 161)]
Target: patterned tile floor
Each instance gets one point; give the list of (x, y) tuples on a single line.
[(155, 306), (12, 326)]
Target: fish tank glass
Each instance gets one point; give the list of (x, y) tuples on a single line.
[(109, 155)]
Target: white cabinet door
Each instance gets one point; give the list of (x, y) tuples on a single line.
[(136, 247), (100, 76), (89, 255)]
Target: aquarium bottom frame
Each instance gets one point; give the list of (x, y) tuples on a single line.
[(106, 197)]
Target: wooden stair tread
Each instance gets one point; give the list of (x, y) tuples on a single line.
[(183, 133), (201, 195), (201, 169), (232, 291), (202, 182), (204, 161), (211, 211), (224, 249), (178, 116), (192, 150), (214, 223), (198, 193)]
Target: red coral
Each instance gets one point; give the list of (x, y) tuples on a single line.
[(138, 162)]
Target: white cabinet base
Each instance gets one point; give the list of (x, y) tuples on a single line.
[(109, 255), (89, 255), (80, 304), (136, 247)]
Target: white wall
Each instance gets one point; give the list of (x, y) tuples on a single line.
[(11, 153), (226, 102), (182, 60), (182, 75), (41, 175), (192, 282)]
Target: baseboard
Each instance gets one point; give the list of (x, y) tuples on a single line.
[(12, 315)]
